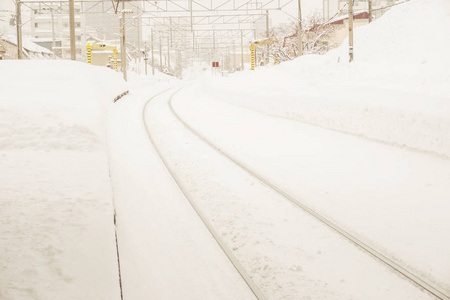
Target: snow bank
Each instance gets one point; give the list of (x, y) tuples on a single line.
[(396, 91), (56, 214), (55, 104)]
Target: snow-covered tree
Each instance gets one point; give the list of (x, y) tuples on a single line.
[(315, 38)]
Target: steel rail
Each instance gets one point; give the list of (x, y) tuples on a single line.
[(364, 246), (237, 265)]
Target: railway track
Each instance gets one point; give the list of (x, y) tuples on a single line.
[(362, 245), (251, 284)]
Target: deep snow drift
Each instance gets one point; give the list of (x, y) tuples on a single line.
[(56, 211), (396, 90)]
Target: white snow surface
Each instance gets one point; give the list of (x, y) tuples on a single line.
[(386, 179), (396, 90), (57, 236), (366, 144), (166, 252)]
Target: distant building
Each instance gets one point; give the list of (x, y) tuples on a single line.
[(103, 25), (322, 36), (51, 23), (336, 13), (93, 22), (52, 45), (30, 50), (340, 27)]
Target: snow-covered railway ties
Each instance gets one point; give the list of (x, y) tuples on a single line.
[(243, 268), (256, 291)]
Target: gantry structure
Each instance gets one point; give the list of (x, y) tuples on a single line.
[(204, 28)]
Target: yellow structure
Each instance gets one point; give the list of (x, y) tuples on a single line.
[(90, 47), (257, 44)]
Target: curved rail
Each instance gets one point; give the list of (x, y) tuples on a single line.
[(237, 265), (395, 266)]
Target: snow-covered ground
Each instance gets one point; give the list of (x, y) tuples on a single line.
[(166, 252), (57, 236), (366, 144), (387, 179), (396, 90)]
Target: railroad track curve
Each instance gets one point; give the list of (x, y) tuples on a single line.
[(237, 265), (416, 279)]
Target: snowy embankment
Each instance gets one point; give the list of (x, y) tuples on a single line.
[(56, 211), (396, 91)]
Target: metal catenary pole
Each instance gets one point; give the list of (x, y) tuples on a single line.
[(300, 33), (153, 56), (123, 41), (160, 53), (122, 50), (53, 34), (73, 53), (350, 30), (370, 11), (242, 51), (168, 53), (171, 34), (214, 44), (145, 57), (266, 59), (234, 55), (19, 29), (138, 19)]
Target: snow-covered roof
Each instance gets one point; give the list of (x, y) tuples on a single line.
[(364, 14), (27, 44)]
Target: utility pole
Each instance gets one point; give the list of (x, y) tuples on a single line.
[(234, 55), (192, 25), (73, 50), (19, 29), (179, 71), (160, 53), (214, 44), (53, 34), (145, 57), (370, 11), (214, 69), (123, 41), (153, 57), (350, 30), (242, 51), (300, 46), (171, 35), (138, 18), (168, 53), (266, 59), (122, 48)]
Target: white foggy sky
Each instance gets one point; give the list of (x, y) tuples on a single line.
[(308, 8), (276, 17)]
